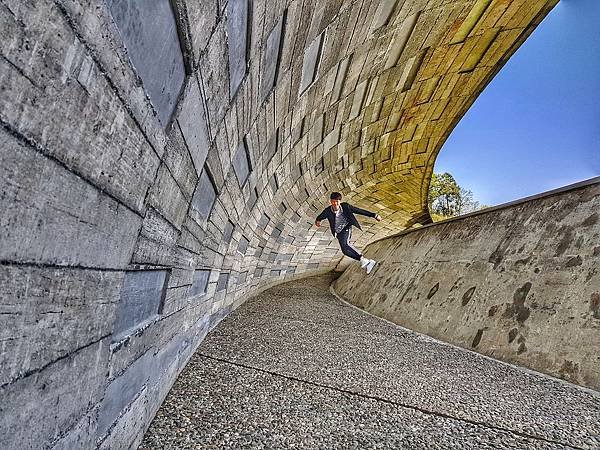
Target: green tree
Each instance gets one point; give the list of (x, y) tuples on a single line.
[(447, 199)]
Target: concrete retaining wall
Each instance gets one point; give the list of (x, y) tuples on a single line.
[(519, 283)]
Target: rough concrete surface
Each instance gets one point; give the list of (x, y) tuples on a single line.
[(297, 368)]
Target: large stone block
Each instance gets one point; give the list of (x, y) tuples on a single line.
[(141, 297), (272, 56), (237, 31), (310, 66), (204, 196), (50, 215), (150, 34), (192, 121), (55, 96), (37, 409), (48, 313), (122, 390)]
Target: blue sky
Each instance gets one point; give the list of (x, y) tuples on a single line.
[(536, 126)]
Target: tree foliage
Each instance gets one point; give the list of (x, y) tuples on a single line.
[(448, 199)]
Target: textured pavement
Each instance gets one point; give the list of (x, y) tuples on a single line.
[(297, 368)]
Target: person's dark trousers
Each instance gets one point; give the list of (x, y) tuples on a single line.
[(344, 239)]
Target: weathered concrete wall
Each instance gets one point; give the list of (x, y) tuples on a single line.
[(520, 283), (130, 221)]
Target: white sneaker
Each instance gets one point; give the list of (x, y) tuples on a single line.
[(370, 265), (363, 262)]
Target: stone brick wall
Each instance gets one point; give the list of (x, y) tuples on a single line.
[(518, 283), (130, 221)]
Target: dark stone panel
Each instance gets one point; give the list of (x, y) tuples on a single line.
[(272, 145), (383, 13), (141, 298), (205, 195), (274, 183), (310, 66), (264, 220), (237, 31), (228, 231), (222, 283), (241, 163), (192, 121), (272, 56), (253, 198), (200, 282), (149, 33), (243, 245), (123, 389)]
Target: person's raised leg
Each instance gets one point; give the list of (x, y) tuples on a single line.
[(347, 249)]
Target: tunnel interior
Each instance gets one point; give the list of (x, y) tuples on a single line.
[(163, 161)]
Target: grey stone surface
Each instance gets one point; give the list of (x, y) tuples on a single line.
[(121, 391), (85, 127), (243, 245), (241, 164), (36, 410), (47, 313), (141, 298), (383, 13), (150, 35), (204, 196), (237, 32), (272, 56), (228, 232), (192, 121), (310, 65), (200, 282), (50, 215), (297, 367), (223, 280)]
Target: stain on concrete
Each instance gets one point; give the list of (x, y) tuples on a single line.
[(591, 220), (569, 370), (433, 290), (477, 338), (522, 348), (517, 308), (590, 274), (536, 270), (493, 310), (496, 257), (566, 240), (595, 305), (512, 334), (466, 298), (596, 251), (574, 261), (523, 262), (457, 283)]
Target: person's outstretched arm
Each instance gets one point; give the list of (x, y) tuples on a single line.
[(364, 212), (320, 217)]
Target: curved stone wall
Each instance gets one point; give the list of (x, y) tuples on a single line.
[(161, 161), (519, 283)]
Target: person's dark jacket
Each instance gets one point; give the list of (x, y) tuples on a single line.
[(348, 211)]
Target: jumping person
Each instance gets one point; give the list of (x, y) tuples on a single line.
[(341, 218)]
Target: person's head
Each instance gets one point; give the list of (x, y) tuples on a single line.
[(335, 199)]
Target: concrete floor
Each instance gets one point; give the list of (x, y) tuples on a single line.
[(297, 368)]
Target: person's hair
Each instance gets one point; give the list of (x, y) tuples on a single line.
[(335, 196)]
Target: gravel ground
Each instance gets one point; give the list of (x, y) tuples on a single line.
[(297, 368)]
